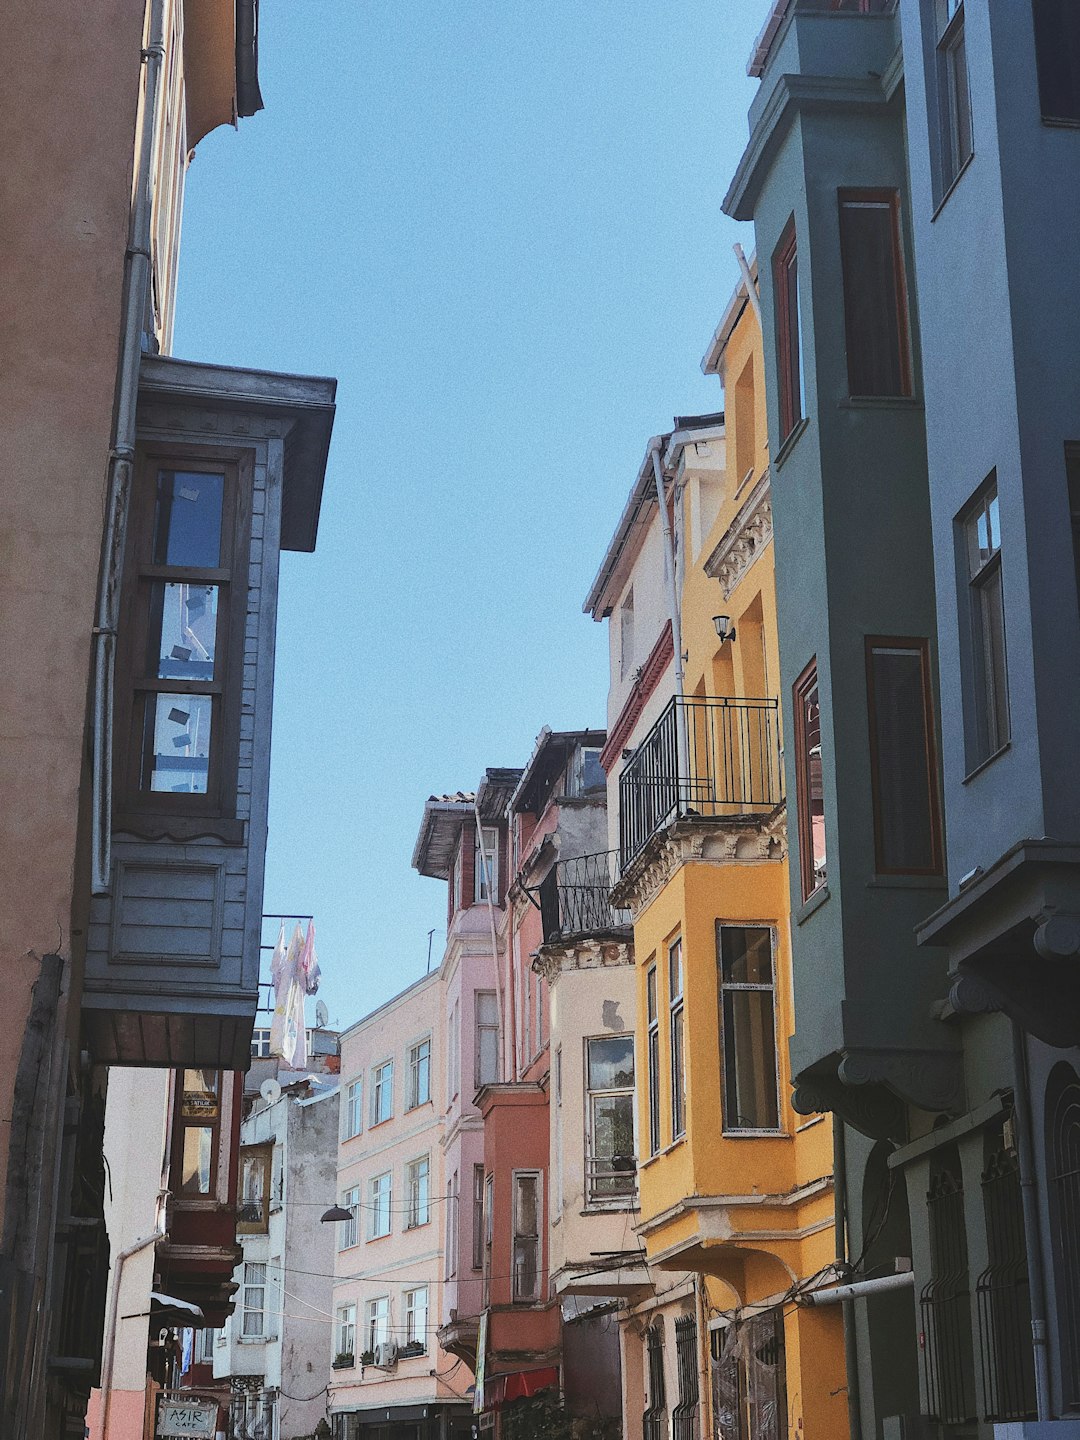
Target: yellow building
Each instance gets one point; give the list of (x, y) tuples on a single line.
[(735, 1187)]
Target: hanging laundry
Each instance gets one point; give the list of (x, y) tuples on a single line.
[(287, 1037), (309, 962)]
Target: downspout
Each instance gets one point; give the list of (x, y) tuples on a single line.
[(489, 872), (134, 302), (748, 281), (704, 1341), (851, 1349), (109, 1354), (1032, 1235), (682, 737)]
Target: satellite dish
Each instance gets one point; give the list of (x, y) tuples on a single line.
[(270, 1091), (322, 1014)]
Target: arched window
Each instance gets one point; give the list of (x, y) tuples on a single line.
[(1063, 1153)]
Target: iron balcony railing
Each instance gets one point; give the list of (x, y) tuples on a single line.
[(707, 756), (612, 1180), (575, 897)]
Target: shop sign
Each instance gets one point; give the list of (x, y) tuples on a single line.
[(186, 1419)]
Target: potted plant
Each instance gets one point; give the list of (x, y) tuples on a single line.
[(414, 1347), (367, 1358), (342, 1360)]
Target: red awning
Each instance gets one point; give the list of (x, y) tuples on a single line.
[(518, 1386)]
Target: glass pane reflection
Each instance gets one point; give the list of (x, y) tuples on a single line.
[(183, 630), (198, 1150), (176, 743), (187, 519)]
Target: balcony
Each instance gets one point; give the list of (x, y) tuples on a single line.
[(575, 898), (706, 757)]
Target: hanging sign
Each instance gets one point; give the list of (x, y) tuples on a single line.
[(186, 1419)]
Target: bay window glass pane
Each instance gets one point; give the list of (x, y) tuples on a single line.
[(183, 630), (197, 1158), (750, 1099), (613, 1131), (176, 743), (746, 955), (611, 1063), (1057, 55), (902, 778), (873, 303), (811, 788), (187, 519), (199, 1098)]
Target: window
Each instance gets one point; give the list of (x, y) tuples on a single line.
[(902, 765), (486, 865), (260, 1043), (382, 1092), (205, 1347), (453, 1222), (749, 1378), (1057, 56), (808, 781), (487, 1038), (611, 1159), (172, 705), (453, 1052), (379, 1217), (538, 1013), (1062, 1120), (419, 1074), (378, 1322), (987, 689), (416, 1313), (626, 635), (478, 1218), (653, 1427), (586, 774), (654, 1061), (684, 1416), (253, 1300), (198, 1120), (788, 331), (745, 424), (253, 1200), (1003, 1289), (346, 1332), (488, 1233), (526, 1253), (417, 1181), (1072, 475), (349, 1233), (354, 1109), (675, 1018), (875, 304), (748, 1027), (945, 1301), (953, 96)]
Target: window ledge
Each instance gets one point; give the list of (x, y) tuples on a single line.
[(983, 764), (809, 1124), (951, 187), (820, 895), (880, 402), (907, 882), (256, 1340), (660, 1154), (1060, 122), (755, 1135), (791, 441)]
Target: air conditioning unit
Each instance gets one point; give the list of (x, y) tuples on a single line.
[(386, 1354)]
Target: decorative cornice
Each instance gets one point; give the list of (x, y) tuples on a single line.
[(590, 953), (749, 840), (744, 539), (647, 681)]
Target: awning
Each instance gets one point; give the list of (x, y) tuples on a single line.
[(173, 1309), (518, 1386)]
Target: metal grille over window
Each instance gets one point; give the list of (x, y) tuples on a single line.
[(749, 1381), (1008, 1370), (685, 1415), (945, 1302), (652, 1422), (1063, 1136)]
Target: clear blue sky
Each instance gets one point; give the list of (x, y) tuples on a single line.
[(498, 224)]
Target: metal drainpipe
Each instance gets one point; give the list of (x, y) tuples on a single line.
[(136, 296), (670, 569), (489, 871), (109, 1354), (748, 280), (851, 1349), (1032, 1230)]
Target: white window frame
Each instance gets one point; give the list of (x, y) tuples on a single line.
[(516, 1235), (381, 1200), (253, 1316), (345, 1342), (413, 1311), (418, 1192), (260, 1043), (349, 1233), (419, 1065), (452, 1224), (453, 1052), (482, 1028), (486, 843), (382, 1083), (652, 980), (626, 635), (353, 1109), (677, 1019), (616, 1199), (377, 1322), (205, 1346)]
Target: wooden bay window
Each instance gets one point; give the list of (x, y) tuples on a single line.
[(903, 768), (810, 799), (875, 300)]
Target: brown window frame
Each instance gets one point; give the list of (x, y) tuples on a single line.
[(133, 682), (807, 681), (788, 333), (264, 1153), (921, 645), (181, 1122), (891, 198)]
